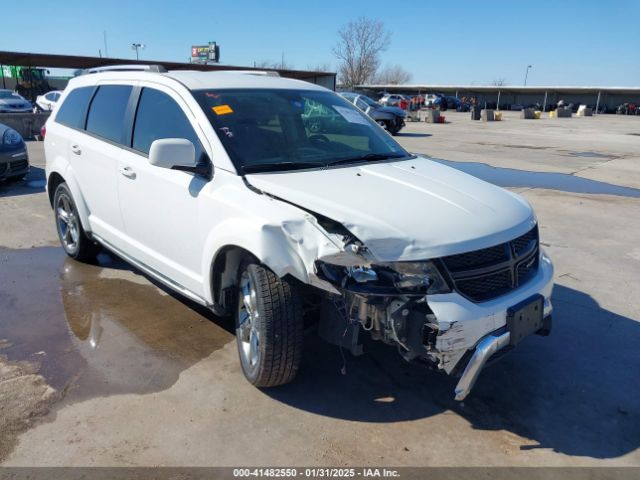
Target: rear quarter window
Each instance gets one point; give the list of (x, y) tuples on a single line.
[(107, 111), (71, 111)]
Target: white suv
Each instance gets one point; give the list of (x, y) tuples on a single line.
[(214, 184)]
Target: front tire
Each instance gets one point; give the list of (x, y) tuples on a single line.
[(269, 327), (393, 128), (72, 236)]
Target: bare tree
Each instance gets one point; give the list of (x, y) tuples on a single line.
[(392, 75), (360, 43), (319, 67), (499, 82), (281, 65)]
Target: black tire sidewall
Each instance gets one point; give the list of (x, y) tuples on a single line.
[(60, 190), (86, 249), (279, 326)]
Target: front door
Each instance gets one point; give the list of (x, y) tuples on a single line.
[(160, 207)]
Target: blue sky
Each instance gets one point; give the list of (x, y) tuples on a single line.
[(463, 42)]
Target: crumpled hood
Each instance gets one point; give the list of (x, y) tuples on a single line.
[(406, 210)]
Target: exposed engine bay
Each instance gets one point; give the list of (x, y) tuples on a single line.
[(388, 301)]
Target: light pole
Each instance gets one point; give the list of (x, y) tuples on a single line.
[(136, 47), (526, 74)]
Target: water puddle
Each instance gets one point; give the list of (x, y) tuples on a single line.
[(509, 177), (98, 329), (36, 184)]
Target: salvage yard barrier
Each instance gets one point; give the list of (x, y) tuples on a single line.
[(430, 115), (584, 111), (26, 124), (528, 114), (487, 115)]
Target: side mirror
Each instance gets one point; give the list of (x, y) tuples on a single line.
[(172, 152)]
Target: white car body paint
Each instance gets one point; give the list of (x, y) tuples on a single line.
[(435, 210), (174, 224), (49, 100)]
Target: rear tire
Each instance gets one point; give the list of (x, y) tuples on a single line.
[(392, 128), (72, 236), (269, 327)]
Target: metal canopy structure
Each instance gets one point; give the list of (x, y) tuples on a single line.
[(427, 88), (47, 60), (505, 95)]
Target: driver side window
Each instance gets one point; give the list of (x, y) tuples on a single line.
[(159, 116)]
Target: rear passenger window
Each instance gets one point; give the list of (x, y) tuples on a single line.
[(71, 112), (106, 113), (159, 116)]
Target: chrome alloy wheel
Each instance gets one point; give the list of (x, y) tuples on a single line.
[(67, 221), (248, 317)]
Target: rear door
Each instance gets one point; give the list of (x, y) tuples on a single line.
[(94, 155), (161, 207)]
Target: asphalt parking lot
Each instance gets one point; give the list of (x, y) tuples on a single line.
[(100, 366)]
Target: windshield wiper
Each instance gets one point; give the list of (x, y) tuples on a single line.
[(369, 157), (277, 166)]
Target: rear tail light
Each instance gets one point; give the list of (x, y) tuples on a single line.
[(43, 131)]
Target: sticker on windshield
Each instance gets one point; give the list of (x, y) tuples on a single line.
[(222, 109), (350, 115)]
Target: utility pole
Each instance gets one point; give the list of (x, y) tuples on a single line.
[(526, 74), (104, 38), (137, 47)]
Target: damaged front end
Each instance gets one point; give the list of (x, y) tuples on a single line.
[(388, 300), (450, 312), (453, 313)]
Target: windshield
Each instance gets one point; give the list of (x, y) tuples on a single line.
[(276, 130), (369, 102)]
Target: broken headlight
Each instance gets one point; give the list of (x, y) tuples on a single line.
[(418, 276), (387, 278)]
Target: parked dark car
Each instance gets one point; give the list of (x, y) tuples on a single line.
[(14, 160), (448, 102), (391, 118)]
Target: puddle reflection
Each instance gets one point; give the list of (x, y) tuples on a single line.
[(101, 328), (509, 177)]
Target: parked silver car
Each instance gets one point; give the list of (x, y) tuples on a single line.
[(11, 101), (391, 118)]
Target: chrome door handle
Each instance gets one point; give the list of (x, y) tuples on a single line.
[(128, 172), (76, 149)]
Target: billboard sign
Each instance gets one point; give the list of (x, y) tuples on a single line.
[(205, 53), (200, 53)]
